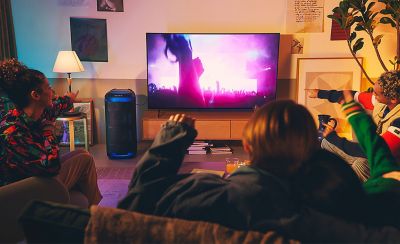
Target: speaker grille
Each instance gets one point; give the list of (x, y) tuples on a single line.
[(121, 127)]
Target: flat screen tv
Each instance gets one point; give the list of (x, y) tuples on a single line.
[(211, 71)]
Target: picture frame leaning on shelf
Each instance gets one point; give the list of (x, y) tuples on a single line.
[(85, 105)]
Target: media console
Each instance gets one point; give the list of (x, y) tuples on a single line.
[(209, 125)]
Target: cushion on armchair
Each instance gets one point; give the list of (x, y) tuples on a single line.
[(15, 196)]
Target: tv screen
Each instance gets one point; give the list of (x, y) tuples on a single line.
[(206, 71)]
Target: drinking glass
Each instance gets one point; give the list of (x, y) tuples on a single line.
[(231, 165)]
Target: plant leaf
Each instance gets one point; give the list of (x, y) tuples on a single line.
[(374, 15), (358, 45), (387, 20), (377, 40), (353, 35), (370, 5), (358, 19), (386, 11), (359, 28)]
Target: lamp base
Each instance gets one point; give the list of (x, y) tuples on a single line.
[(72, 114)]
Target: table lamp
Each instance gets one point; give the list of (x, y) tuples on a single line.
[(68, 62)]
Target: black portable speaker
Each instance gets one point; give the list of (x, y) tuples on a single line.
[(120, 108)]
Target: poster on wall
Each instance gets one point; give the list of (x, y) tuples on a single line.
[(327, 74), (305, 16), (89, 39), (110, 5)]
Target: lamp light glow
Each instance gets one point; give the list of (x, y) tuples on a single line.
[(68, 62)]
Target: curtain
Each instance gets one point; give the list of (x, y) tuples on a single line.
[(8, 47)]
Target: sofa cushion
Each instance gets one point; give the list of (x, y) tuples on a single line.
[(111, 225)]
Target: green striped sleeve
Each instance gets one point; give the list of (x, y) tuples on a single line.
[(351, 108)]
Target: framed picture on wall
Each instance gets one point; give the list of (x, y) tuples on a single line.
[(110, 5), (89, 39), (85, 106), (327, 74)]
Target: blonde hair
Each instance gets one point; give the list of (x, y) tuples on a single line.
[(281, 135)]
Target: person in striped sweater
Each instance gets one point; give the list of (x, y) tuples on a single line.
[(383, 102), (328, 184)]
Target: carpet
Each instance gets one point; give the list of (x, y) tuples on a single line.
[(122, 173), (113, 183)]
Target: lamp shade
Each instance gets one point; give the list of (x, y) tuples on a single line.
[(67, 62)]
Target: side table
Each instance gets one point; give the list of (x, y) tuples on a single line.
[(71, 120)]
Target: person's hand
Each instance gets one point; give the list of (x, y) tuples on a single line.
[(312, 93), (183, 119), (329, 128), (392, 175), (72, 95), (348, 96)]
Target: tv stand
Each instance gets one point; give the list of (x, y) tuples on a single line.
[(210, 125)]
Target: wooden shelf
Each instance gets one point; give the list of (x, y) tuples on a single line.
[(209, 125)]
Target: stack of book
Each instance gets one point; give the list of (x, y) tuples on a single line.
[(198, 147), (220, 149)]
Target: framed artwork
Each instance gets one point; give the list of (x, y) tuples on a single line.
[(85, 106), (110, 5), (89, 39), (327, 74)]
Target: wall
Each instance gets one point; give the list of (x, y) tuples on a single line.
[(42, 29)]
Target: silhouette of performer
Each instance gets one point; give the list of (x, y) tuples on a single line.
[(190, 70)]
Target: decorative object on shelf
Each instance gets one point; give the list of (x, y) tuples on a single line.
[(85, 106), (89, 39), (68, 62), (70, 120), (355, 16), (110, 5), (327, 74)]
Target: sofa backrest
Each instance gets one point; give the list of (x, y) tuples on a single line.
[(111, 225)]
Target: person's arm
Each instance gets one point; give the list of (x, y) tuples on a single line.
[(59, 106), (392, 138), (332, 96), (32, 158), (379, 156), (165, 155), (366, 99), (348, 147)]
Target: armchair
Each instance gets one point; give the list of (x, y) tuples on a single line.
[(15, 196)]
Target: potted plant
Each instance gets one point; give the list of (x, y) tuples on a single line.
[(356, 16)]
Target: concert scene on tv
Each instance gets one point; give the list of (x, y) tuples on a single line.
[(211, 70)]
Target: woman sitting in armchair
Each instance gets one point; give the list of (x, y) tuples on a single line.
[(27, 145)]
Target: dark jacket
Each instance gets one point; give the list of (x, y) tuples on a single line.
[(250, 198)]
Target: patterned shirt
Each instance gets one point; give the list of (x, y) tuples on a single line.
[(5, 104), (27, 148)]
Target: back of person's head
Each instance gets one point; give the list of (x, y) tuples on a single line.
[(390, 83), (327, 183), (280, 136), (8, 71), (25, 82)]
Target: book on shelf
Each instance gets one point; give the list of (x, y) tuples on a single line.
[(221, 152), (221, 149), (201, 143), (197, 152), (195, 148), (208, 171)]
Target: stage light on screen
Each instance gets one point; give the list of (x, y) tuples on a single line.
[(211, 70)]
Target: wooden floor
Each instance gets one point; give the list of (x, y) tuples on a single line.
[(100, 155)]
